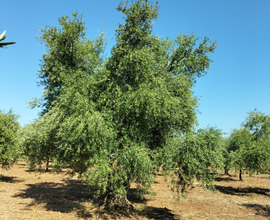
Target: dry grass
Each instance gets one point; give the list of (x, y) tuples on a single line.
[(25, 195)]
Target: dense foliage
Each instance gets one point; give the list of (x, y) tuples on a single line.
[(68, 51), (249, 147), (38, 144), (114, 121), (9, 147), (194, 156)]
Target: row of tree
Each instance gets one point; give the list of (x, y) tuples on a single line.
[(115, 120), (193, 156)]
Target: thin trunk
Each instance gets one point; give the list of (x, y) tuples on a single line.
[(240, 175), (47, 165)]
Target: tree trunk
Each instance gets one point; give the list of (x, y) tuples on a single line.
[(226, 171), (240, 175), (47, 165), (115, 203)]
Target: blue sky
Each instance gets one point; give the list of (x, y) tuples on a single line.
[(237, 81)]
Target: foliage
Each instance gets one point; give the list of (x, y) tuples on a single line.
[(194, 156), (38, 144), (239, 142), (258, 124), (226, 155), (9, 148), (3, 37), (69, 54), (68, 50), (111, 119), (249, 147)]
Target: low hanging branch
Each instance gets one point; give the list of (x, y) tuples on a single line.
[(2, 37)]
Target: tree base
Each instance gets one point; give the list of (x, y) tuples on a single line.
[(120, 205)]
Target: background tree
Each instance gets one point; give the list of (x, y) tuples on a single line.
[(194, 156), (111, 120), (239, 144), (258, 124), (226, 156), (250, 146), (38, 144), (9, 147)]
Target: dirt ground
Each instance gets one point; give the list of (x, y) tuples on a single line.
[(26, 195)]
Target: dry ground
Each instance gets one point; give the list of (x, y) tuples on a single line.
[(26, 195)]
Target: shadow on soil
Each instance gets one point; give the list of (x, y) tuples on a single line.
[(68, 197), (139, 212), (59, 197), (242, 191), (9, 179), (260, 209), (225, 179), (41, 170), (158, 213)]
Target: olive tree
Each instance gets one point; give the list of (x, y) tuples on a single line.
[(113, 120), (258, 158), (38, 144), (9, 147), (239, 144), (249, 147), (193, 156), (259, 125)]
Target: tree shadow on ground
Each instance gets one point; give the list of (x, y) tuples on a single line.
[(242, 191), (59, 197), (158, 213), (226, 179), (43, 170), (21, 164), (260, 209), (68, 197), (133, 197), (9, 179), (138, 213)]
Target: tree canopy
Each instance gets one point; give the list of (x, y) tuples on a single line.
[(68, 51)]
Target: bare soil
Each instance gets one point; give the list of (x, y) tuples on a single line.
[(27, 195)]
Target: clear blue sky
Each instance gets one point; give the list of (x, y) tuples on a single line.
[(237, 82)]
